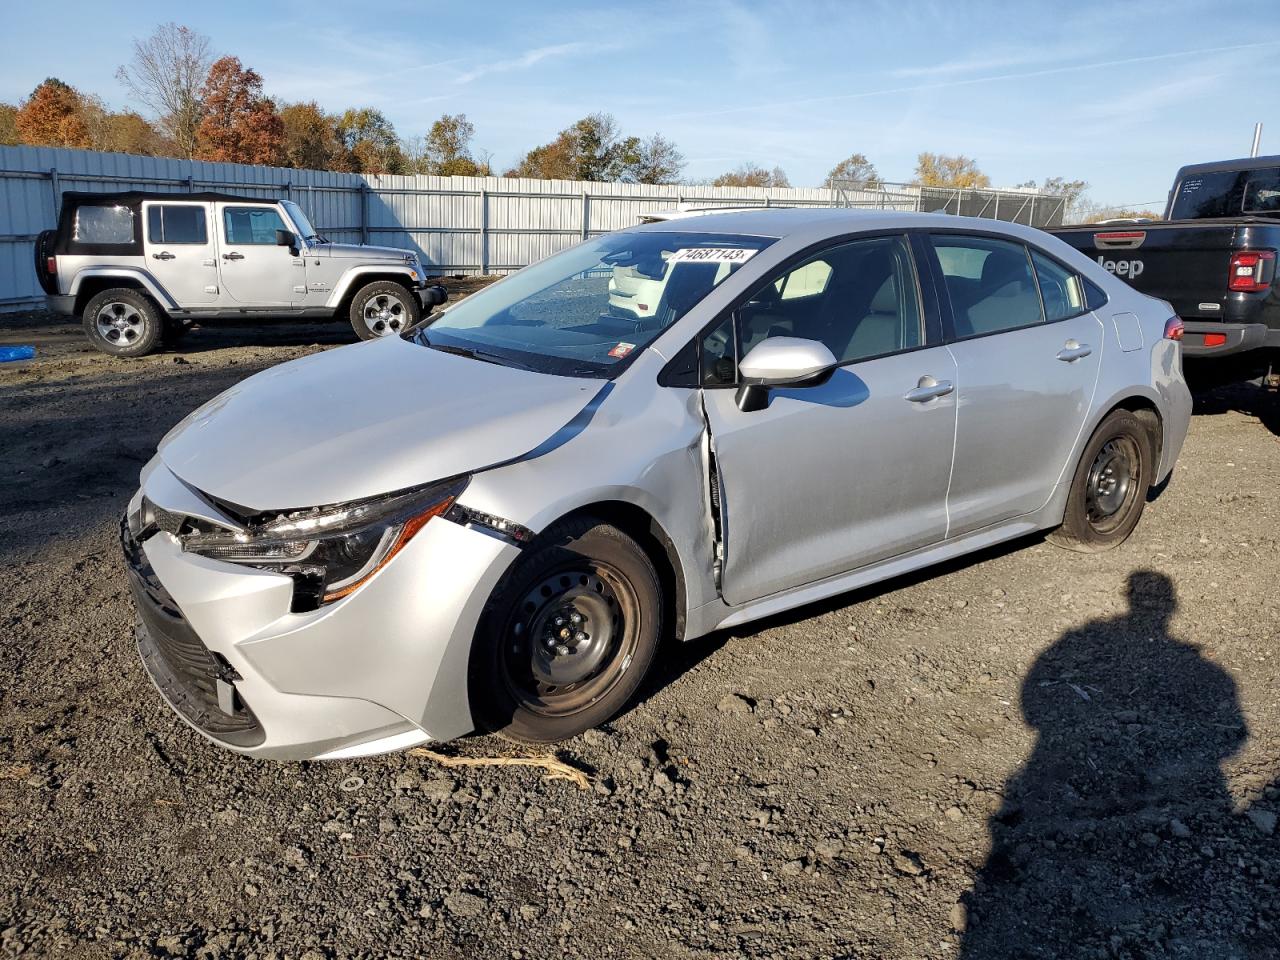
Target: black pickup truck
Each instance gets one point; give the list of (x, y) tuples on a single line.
[(1213, 259)]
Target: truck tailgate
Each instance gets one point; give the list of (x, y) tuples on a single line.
[(1184, 262)]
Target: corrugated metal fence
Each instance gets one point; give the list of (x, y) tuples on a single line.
[(472, 225)]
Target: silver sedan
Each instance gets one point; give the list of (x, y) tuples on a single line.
[(493, 520)]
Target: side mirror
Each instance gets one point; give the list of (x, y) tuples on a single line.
[(782, 362), (286, 238)]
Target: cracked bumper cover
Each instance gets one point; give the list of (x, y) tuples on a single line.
[(381, 669)]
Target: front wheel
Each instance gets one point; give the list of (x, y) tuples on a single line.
[(567, 637), (383, 308), (1110, 486)]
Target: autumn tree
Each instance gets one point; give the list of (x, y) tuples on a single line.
[(653, 160), (123, 132), (167, 73), (53, 116), (594, 148), (311, 140), (856, 168), (8, 125), (446, 151), (752, 175), (946, 170), (239, 124), (370, 142)]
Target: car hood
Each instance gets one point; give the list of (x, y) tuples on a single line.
[(364, 420), (360, 250)]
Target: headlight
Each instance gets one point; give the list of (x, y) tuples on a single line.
[(336, 548)]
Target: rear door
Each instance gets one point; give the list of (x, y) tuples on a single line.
[(826, 479), (181, 250), (1027, 352), (255, 271)]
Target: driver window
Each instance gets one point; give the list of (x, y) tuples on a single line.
[(860, 299)]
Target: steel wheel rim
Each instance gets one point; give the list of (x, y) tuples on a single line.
[(385, 314), (1112, 484), (546, 666), (119, 323)]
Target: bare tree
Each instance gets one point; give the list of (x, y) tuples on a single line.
[(166, 73)]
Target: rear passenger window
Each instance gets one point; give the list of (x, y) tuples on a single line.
[(1059, 289), (990, 282), (176, 223), (859, 298)]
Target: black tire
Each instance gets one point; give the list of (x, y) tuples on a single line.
[(44, 250), (123, 322), (527, 639), (383, 308), (1110, 486)]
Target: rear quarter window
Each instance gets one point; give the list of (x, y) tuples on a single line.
[(103, 224)]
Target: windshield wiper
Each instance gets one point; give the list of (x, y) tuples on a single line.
[(472, 353)]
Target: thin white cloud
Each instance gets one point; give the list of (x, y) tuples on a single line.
[(997, 78), (525, 60)]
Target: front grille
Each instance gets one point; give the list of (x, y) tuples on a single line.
[(184, 669)]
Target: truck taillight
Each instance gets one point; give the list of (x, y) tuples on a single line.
[(1173, 328), (1251, 271), (51, 265)]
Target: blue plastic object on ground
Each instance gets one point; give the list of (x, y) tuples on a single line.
[(16, 353)]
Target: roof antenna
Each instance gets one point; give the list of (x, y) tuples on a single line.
[(1257, 139)]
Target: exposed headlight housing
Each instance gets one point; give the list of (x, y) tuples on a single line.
[(330, 550)]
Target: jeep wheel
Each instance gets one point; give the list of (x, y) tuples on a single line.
[(383, 308), (123, 323)]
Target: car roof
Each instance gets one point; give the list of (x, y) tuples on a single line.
[(134, 197), (779, 222), (1229, 166)]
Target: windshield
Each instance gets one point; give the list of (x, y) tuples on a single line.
[(300, 220), (1227, 194), (586, 311)]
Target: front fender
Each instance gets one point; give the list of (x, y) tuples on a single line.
[(643, 448), (356, 277)]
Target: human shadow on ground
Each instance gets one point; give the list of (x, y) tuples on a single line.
[(1119, 837)]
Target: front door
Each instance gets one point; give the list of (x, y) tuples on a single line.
[(1028, 352), (830, 478), (255, 271), (181, 250)]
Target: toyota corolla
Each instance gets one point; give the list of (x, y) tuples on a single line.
[(491, 521)]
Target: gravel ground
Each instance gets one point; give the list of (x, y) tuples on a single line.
[(1032, 753)]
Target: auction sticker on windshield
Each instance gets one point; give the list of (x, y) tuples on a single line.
[(711, 255)]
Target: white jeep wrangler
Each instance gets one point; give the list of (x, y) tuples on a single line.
[(142, 267)]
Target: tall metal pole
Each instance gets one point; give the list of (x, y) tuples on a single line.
[(1257, 139)]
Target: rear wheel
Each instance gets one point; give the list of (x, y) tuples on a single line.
[(568, 636), (382, 309), (1109, 489), (123, 323)]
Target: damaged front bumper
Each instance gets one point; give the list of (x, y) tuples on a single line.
[(381, 669)]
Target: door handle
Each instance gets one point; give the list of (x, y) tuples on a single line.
[(929, 389), (164, 255), (233, 256), (1072, 351)]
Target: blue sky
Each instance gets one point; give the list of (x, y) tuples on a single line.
[(1118, 93)]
